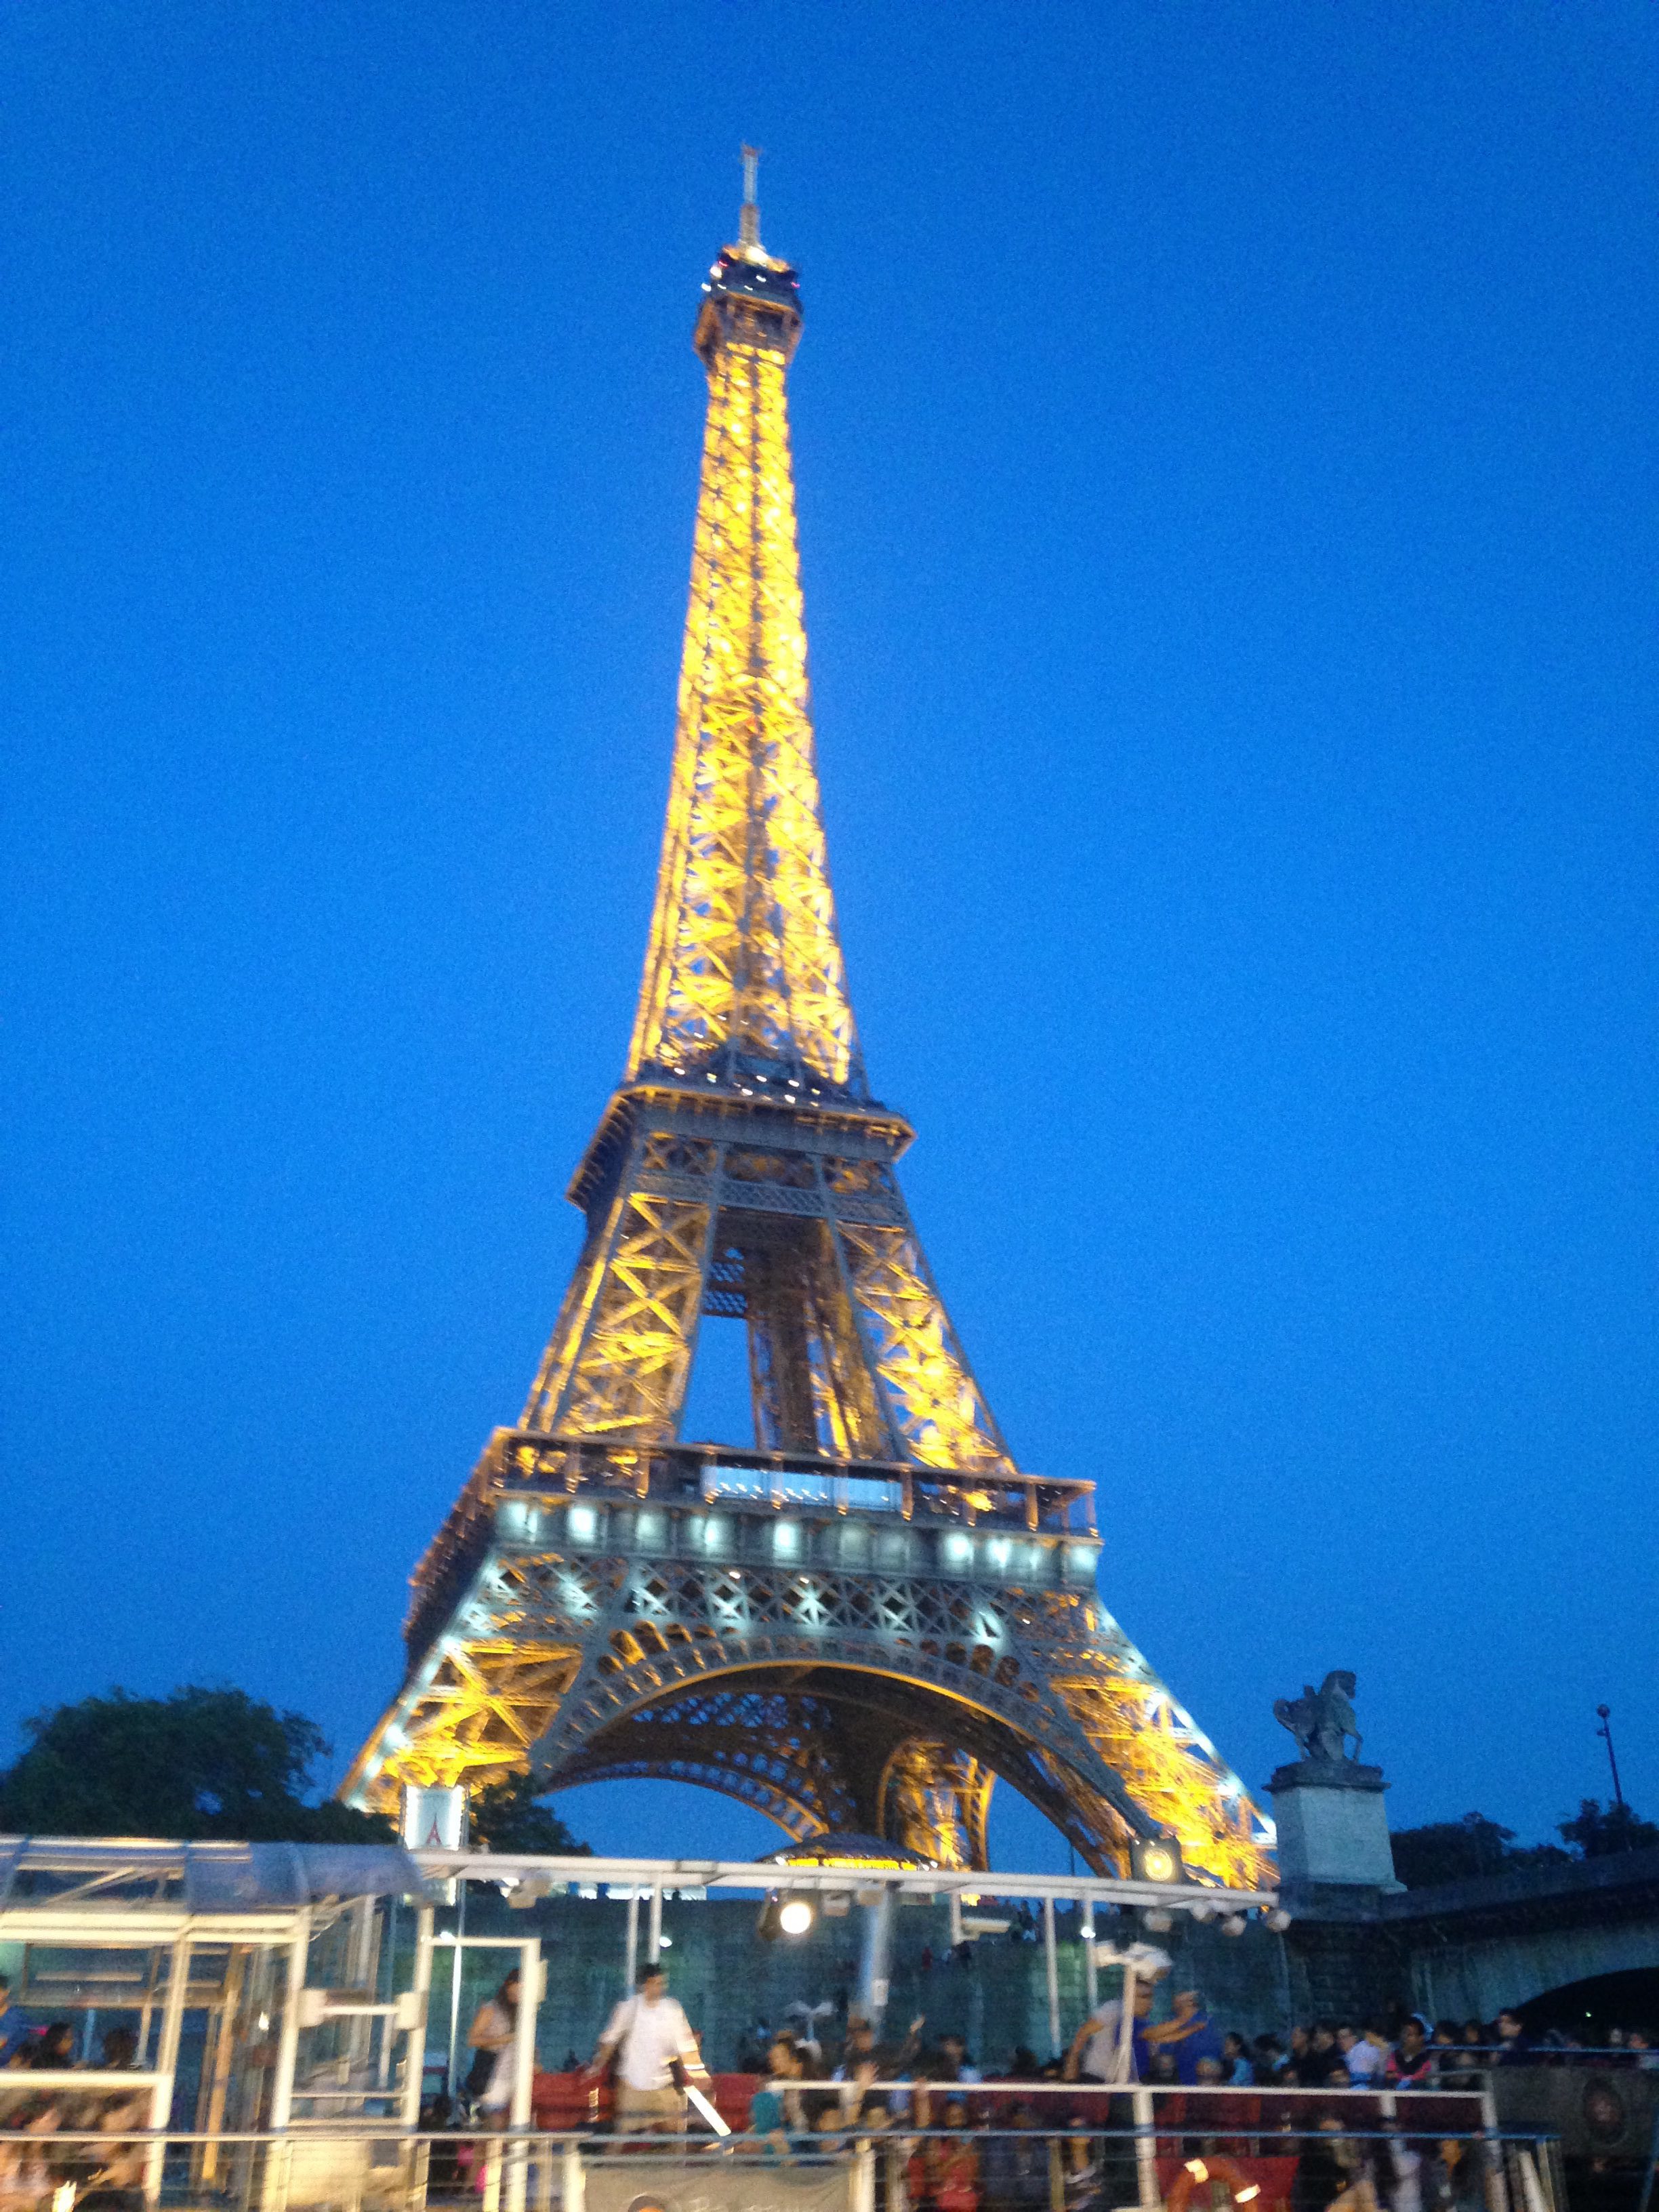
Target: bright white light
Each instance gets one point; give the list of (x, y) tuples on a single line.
[(796, 1916)]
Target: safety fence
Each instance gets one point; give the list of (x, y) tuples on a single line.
[(894, 2147)]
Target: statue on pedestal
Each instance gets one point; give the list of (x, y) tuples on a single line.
[(1322, 1720), (1332, 1831)]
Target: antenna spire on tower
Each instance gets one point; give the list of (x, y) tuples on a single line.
[(749, 217)]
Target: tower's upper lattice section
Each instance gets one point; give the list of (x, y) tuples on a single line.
[(743, 975)]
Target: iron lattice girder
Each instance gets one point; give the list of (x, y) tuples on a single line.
[(522, 1477), (1028, 1678), (744, 1170), (828, 1758), (853, 1353), (744, 963)]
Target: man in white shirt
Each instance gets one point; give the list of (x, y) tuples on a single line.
[(1100, 2052), (648, 2033), (1365, 2055)]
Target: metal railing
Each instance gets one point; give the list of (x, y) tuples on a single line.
[(1100, 2144)]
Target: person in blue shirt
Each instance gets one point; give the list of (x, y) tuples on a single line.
[(775, 2112), (1237, 2067), (1197, 2037), (15, 2028)]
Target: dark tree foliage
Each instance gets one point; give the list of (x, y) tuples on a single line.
[(199, 1764), (1597, 1831), (1460, 1850), (506, 1817), (1450, 1850)]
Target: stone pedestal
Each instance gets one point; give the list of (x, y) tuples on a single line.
[(1332, 1826)]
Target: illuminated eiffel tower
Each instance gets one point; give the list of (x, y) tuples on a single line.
[(862, 1619)]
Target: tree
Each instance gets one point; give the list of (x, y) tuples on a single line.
[(1450, 1850), (200, 1763), (1597, 1832), (505, 1817), (1463, 1851)]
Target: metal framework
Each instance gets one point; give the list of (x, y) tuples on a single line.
[(864, 1620)]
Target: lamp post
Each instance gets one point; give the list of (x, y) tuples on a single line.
[(1604, 1714)]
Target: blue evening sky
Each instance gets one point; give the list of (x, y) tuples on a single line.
[(1226, 461)]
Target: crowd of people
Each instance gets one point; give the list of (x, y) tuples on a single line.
[(955, 2136), (1411, 2051), (1397, 2051), (967, 2139), (958, 2138), (35, 2163)]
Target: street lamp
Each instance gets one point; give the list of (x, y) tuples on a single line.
[(1604, 1714)]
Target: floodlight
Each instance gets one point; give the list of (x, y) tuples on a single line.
[(1159, 1924), (1279, 1920), (1157, 1859), (1233, 1924), (785, 1914)]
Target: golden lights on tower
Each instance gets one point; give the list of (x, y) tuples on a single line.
[(743, 1169)]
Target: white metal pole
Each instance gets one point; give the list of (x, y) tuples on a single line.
[(524, 2070), (632, 1954), (1091, 1972), (1124, 2070), (653, 1939), (288, 2047), (873, 1966), (524, 2031), (956, 1918), (166, 2063), (1145, 2150), (1051, 1970), (360, 1953), (415, 2042), (1497, 2192), (455, 1987), (862, 2195)]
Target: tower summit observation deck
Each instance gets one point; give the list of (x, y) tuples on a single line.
[(861, 1616)]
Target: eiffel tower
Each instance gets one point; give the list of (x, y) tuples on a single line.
[(861, 1619)]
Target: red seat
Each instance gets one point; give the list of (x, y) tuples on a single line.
[(559, 2103)]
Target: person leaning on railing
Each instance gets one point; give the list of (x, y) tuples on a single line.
[(776, 2117)]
